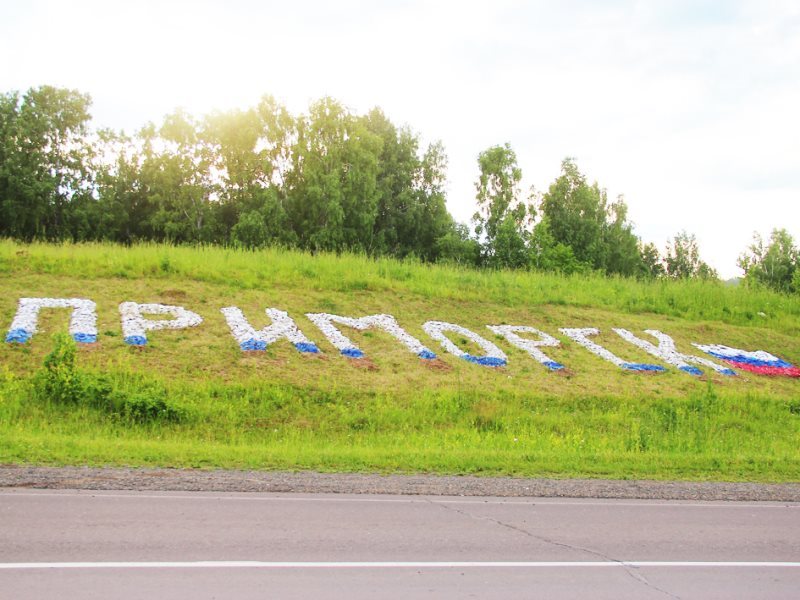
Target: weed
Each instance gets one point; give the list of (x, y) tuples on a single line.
[(165, 264), (487, 417), (59, 381), (146, 407)]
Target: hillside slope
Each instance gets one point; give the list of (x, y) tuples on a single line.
[(194, 397)]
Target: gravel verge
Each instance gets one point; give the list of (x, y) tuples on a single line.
[(87, 478)]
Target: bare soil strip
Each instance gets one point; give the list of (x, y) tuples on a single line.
[(86, 478)]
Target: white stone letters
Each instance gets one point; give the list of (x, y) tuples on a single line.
[(666, 351), (388, 323), (581, 337), (82, 323), (283, 326), (530, 346), (135, 326), (493, 357)]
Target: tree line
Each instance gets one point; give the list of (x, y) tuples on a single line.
[(326, 180)]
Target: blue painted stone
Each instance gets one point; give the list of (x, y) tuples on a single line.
[(84, 338), (729, 372), (755, 362), (19, 336), (252, 345), (427, 355), (486, 361), (352, 353), (691, 370), (643, 367), (136, 340), (553, 365), (307, 347)]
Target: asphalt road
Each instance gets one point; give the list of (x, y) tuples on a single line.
[(81, 544)]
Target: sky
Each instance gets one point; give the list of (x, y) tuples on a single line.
[(688, 108)]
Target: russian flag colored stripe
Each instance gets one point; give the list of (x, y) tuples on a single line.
[(759, 361)]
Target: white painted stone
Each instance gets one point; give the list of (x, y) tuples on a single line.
[(734, 353), (528, 345), (493, 356), (82, 323), (135, 326), (667, 352), (283, 326), (387, 323), (581, 337)]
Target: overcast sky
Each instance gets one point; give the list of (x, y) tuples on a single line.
[(687, 108)]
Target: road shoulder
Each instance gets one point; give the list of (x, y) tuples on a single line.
[(91, 478)]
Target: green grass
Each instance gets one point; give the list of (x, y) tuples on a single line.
[(283, 410)]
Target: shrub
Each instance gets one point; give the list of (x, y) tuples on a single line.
[(59, 381), (146, 407)]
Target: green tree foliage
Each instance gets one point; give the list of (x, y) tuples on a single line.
[(125, 205), (333, 193), (578, 216), (328, 180), (251, 152), (458, 247), (774, 264), (250, 231), (432, 221), (575, 213), (43, 156), (177, 165), (683, 259), (503, 218), (622, 253), (411, 213), (547, 254), (652, 263)]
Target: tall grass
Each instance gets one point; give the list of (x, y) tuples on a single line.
[(710, 434), (278, 269)]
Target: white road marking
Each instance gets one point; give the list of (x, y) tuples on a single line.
[(537, 502), (245, 564)]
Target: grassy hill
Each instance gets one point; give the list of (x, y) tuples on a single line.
[(194, 398)]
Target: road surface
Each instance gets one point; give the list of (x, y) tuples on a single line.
[(195, 545)]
